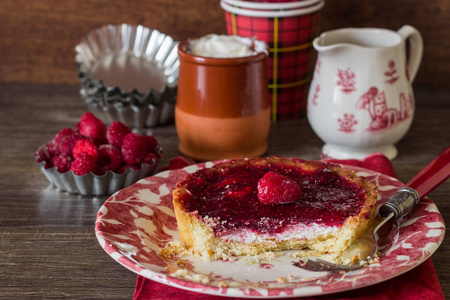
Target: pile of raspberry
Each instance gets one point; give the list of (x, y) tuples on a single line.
[(94, 147)]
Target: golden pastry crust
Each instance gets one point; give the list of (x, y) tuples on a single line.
[(197, 233)]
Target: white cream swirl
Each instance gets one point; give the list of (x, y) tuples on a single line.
[(213, 45)]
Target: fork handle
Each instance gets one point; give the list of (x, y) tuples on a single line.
[(400, 204), (404, 200)]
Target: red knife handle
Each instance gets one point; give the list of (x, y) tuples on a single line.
[(436, 172)]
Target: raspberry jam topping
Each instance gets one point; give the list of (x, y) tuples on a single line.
[(229, 196)]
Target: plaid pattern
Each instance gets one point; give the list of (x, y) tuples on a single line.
[(291, 57)]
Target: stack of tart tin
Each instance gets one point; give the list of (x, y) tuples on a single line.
[(129, 74)]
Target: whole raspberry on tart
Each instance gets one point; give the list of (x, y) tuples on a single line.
[(275, 188), (316, 207)]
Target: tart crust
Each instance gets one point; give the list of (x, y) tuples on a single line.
[(197, 233)]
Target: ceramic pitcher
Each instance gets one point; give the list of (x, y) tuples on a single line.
[(360, 99)]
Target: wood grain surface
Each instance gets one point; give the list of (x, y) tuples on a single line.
[(48, 247), (37, 38)]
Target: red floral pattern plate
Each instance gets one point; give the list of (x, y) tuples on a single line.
[(136, 222)]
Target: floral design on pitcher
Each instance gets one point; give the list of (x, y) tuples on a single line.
[(316, 95), (347, 122), (318, 64), (391, 74), (382, 116), (316, 69), (346, 80)]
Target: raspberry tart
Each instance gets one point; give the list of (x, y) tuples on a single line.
[(252, 206)]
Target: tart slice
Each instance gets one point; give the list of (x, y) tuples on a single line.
[(251, 206)]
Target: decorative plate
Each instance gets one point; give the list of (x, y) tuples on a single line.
[(136, 222)]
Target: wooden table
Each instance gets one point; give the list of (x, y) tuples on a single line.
[(48, 247)]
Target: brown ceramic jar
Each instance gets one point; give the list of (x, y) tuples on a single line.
[(223, 108)]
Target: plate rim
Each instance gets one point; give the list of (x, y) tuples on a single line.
[(138, 268)]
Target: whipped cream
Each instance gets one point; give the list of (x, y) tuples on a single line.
[(213, 45)]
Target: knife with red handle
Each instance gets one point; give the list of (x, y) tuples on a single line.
[(404, 200)]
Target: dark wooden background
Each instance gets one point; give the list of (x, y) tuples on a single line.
[(37, 37)]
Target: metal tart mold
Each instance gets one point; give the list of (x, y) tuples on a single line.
[(91, 184), (128, 73)]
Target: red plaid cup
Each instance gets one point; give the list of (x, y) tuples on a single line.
[(289, 34)]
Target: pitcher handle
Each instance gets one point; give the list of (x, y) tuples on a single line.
[(415, 49)]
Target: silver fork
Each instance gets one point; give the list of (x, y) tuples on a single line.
[(392, 211)]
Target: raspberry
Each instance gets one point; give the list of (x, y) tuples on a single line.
[(133, 149), (100, 170), (151, 143), (62, 162), (275, 188), (178, 163), (83, 164), (85, 146), (93, 147), (52, 148), (149, 159), (43, 155), (63, 133), (116, 132), (68, 142), (77, 128), (110, 157), (380, 163), (92, 127)]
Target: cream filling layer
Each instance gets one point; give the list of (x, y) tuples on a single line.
[(300, 232)]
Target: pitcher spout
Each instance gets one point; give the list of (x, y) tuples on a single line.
[(362, 38)]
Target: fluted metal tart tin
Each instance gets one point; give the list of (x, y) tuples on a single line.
[(97, 185), (128, 73)]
